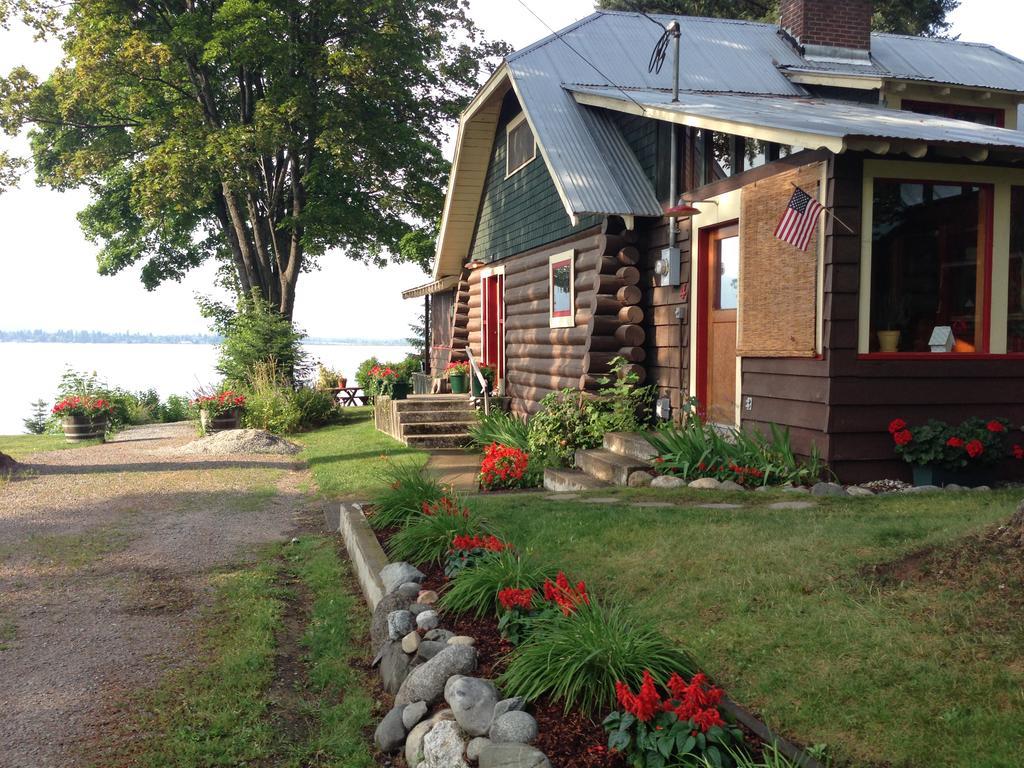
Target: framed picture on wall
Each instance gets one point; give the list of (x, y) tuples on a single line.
[(562, 290)]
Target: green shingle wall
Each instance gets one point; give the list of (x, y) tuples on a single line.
[(521, 212), (647, 138)]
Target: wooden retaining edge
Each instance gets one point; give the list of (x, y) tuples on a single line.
[(364, 551), (368, 559)]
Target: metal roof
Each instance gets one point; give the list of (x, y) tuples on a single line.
[(828, 122), (434, 286)]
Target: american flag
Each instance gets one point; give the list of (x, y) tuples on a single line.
[(801, 217)]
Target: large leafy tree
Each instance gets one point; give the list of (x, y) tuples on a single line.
[(257, 132), (904, 17)]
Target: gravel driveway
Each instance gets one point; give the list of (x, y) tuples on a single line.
[(106, 554)]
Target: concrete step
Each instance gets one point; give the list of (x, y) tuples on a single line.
[(631, 444), (436, 427), (564, 480), (433, 403), (435, 416), (608, 466), (427, 442)]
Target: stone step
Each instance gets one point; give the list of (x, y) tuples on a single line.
[(435, 416), (427, 442), (631, 444), (436, 427), (565, 480), (434, 403), (608, 466)]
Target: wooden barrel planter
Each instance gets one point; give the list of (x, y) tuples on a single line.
[(228, 420), (79, 429)]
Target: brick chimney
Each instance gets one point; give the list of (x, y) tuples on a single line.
[(829, 29)]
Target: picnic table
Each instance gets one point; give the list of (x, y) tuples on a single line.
[(350, 396)]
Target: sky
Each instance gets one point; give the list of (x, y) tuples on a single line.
[(48, 275)]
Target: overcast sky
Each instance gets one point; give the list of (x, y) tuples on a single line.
[(49, 275)]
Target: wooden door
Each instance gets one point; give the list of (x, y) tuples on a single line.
[(722, 295), (493, 290)]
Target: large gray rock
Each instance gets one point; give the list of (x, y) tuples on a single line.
[(472, 699), (828, 489), (426, 682), (390, 734), (514, 727), (513, 704), (729, 485), (667, 481), (417, 608), (441, 635), (430, 648), (475, 747), (922, 489), (412, 714), (414, 743), (395, 575), (856, 490), (400, 624), (427, 620), (443, 747), (796, 489), (512, 756), (706, 484), (395, 666), (379, 625), (639, 479)]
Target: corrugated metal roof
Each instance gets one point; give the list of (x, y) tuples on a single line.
[(827, 119)]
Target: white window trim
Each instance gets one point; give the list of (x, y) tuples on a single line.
[(514, 123), (570, 320)]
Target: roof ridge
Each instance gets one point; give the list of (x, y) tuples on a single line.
[(556, 35), (711, 19)]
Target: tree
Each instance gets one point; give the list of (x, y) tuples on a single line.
[(260, 133), (904, 17), (36, 423)]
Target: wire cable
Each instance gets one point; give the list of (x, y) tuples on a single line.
[(660, 51)]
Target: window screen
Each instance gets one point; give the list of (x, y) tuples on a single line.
[(521, 147)]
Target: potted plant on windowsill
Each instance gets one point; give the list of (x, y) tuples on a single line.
[(941, 453), (457, 373), (221, 411), (893, 317), (83, 417)]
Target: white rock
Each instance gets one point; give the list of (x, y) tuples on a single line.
[(706, 484), (443, 747), (461, 640), (667, 481), (411, 642)]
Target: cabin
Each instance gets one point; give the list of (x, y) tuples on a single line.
[(557, 251)]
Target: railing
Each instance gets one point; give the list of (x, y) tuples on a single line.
[(475, 369)]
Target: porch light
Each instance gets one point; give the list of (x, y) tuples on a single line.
[(684, 209), (475, 264)]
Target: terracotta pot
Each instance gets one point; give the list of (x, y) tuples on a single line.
[(342, 382), (888, 341)]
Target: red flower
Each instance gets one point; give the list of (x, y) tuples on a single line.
[(995, 426), (1018, 452), (897, 425), (565, 596), (902, 437), (955, 442), (643, 705), (707, 718), (511, 598), (975, 448)]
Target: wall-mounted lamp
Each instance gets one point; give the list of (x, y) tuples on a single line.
[(684, 209), (475, 264)]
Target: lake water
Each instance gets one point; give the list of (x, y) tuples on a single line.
[(29, 372)]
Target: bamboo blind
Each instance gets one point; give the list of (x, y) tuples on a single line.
[(778, 292)]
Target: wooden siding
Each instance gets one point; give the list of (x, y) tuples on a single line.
[(523, 211), (441, 314)]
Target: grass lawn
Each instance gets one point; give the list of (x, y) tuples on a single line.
[(347, 459), (19, 446), (919, 665)]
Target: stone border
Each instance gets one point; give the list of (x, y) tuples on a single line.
[(368, 559)]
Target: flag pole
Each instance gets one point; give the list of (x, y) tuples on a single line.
[(836, 218)]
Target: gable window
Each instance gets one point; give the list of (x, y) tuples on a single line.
[(930, 256), (970, 114), (522, 148), (561, 289)]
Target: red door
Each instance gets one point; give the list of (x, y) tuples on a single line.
[(494, 323)]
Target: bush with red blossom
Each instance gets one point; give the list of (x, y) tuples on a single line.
[(503, 467), (83, 406), (972, 443)]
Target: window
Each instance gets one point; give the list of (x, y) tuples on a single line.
[(980, 115), (1015, 277), (521, 146), (929, 256), (727, 261), (561, 277)]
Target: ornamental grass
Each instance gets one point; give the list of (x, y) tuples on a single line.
[(475, 590), (501, 428), (428, 535), (577, 659), (407, 488)]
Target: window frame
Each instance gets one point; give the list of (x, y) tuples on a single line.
[(562, 319), (513, 125), (946, 109)]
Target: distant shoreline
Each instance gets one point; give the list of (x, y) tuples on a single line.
[(90, 337)]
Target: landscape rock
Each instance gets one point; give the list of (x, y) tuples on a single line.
[(426, 682), (856, 490), (428, 649), (512, 756), (639, 479), (417, 608), (428, 620), (413, 714), (515, 727), (411, 642), (706, 484), (981, 488), (792, 505), (827, 489), (475, 747), (395, 575), (441, 635), (379, 624), (796, 489), (390, 734), (513, 704), (427, 597), (414, 743), (461, 640), (472, 699), (409, 590), (667, 481), (443, 747), (729, 485), (400, 624), (443, 714), (954, 487), (395, 666), (922, 489)]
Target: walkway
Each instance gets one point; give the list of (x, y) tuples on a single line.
[(456, 468)]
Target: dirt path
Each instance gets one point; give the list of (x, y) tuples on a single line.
[(106, 555)]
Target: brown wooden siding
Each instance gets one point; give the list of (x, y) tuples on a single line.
[(441, 314)]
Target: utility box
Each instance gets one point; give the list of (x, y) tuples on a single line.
[(667, 268)]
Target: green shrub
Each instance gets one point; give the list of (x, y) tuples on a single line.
[(475, 590), (428, 537), (174, 408), (502, 428), (407, 488), (36, 423), (259, 335), (363, 380), (270, 402), (317, 408), (576, 659)]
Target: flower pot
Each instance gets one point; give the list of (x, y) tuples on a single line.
[(342, 382), (457, 381), (231, 419), (78, 429), (400, 390), (969, 478), (478, 391), (888, 341)]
